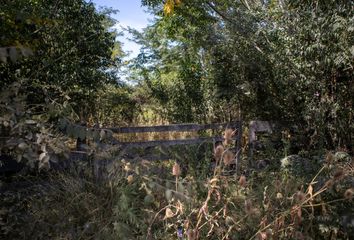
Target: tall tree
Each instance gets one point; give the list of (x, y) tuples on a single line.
[(277, 60), (73, 48), (53, 55)]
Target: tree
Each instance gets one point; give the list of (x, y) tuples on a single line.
[(54, 59), (73, 48), (288, 61)]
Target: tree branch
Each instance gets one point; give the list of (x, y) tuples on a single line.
[(223, 16)]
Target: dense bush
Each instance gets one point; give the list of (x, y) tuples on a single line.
[(146, 200), (28, 131), (286, 61)]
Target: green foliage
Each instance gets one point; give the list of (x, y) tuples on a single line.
[(71, 206), (315, 44), (72, 44), (27, 131), (56, 61), (177, 85), (144, 199), (296, 165), (288, 61), (115, 105)]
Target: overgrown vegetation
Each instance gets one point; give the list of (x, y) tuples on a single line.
[(286, 61), (290, 62), (148, 201)]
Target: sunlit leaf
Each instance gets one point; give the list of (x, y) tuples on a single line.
[(168, 7)]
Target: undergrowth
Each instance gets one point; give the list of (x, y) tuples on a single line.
[(141, 201)]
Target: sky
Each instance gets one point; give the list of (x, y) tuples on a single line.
[(131, 14)]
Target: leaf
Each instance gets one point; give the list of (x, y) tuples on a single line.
[(180, 187), (44, 148), (42, 156), (310, 190), (102, 134), (352, 50), (168, 213), (123, 230), (149, 199), (30, 121), (29, 136), (22, 146), (44, 164), (214, 181), (39, 138), (168, 194), (168, 7), (279, 195)]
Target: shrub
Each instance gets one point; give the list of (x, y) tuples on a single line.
[(144, 201)]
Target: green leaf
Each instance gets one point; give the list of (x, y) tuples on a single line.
[(149, 199), (168, 195)]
